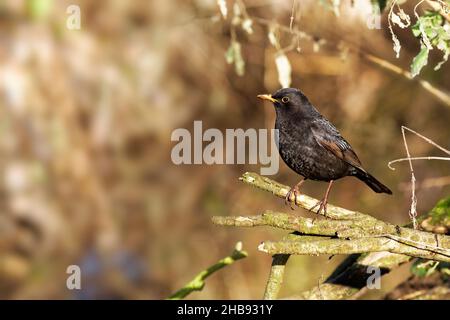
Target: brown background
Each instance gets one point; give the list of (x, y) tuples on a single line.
[(85, 124)]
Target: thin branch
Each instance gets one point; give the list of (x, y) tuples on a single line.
[(438, 93), (293, 15), (198, 282), (416, 158), (426, 140), (413, 208), (443, 96)]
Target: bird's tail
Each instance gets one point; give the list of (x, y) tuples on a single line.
[(373, 183)]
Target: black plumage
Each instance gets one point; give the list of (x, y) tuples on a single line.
[(311, 146)]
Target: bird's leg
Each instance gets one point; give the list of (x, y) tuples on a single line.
[(323, 203), (293, 191)]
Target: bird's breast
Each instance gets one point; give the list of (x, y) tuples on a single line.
[(300, 151)]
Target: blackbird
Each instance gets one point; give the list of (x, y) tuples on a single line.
[(311, 146)]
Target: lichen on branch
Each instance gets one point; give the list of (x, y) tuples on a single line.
[(369, 241)]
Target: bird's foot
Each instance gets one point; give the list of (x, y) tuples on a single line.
[(323, 203), (287, 200), (293, 191), (322, 207)]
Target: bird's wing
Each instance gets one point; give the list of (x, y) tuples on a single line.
[(329, 138)]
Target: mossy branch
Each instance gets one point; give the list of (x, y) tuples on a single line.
[(276, 276), (303, 201), (339, 246), (198, 282), (371, 242)]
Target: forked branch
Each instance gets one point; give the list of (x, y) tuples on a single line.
[(376, 243)]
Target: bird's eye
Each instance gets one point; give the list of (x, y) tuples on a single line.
[(285, 99)]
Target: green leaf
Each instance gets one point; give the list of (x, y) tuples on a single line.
[(419, 61), (441, 212), (39, 9), (424, 268), (429, 25), (381, 4), (433, 30), (234, 55), (446, 273), (229, 55)]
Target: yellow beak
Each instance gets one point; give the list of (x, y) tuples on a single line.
[(267, 97)]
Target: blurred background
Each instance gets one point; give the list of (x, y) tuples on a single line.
[(86, 118)]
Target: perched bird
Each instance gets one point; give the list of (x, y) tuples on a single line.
[(311, 146)]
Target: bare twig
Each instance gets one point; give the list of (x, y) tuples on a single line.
[(397, 45), (438, 93), (424, 138), (418, 158), (293, 15), (443, 96), (413, 208)]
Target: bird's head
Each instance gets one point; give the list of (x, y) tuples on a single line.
[(287, 100)]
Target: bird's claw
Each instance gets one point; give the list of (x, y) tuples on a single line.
[(287, 199), (322, 207)]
